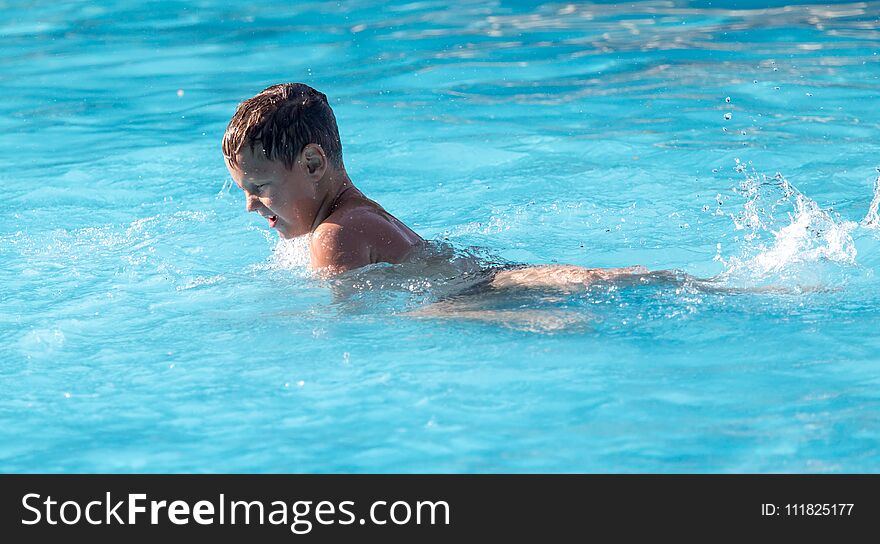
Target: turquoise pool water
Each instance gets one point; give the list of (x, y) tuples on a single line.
[(148, 324)]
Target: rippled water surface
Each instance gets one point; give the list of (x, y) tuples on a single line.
[(148, 324)]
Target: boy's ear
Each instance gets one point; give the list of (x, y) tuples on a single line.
[(314, 160)]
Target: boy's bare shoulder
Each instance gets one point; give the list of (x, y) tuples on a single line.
[(359, 223), (357, 236)]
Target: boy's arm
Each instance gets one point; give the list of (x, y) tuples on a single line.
[(564, 278)]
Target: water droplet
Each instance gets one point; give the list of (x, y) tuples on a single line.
[(180, 92), (727, 100), (728, 116), (301, 383)]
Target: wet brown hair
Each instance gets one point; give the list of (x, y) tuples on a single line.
[(284, 118)]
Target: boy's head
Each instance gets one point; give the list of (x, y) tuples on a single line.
[(278, 147), (283, 119)]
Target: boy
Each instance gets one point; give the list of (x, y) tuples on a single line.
[(282, 148)]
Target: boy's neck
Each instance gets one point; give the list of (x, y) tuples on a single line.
[(336, 181)]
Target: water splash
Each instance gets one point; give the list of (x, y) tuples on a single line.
[(291, 254), (787, 236), (225, 190), (872, 220)]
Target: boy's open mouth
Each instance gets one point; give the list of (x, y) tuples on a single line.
[(272, 220)]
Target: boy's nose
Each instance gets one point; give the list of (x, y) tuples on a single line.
[(251, 202)]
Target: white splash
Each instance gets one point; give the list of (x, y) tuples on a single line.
[(786, 233), (292, 254), (872, 220), (811, 236)]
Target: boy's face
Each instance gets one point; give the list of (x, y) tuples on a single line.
[(288, 199)]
